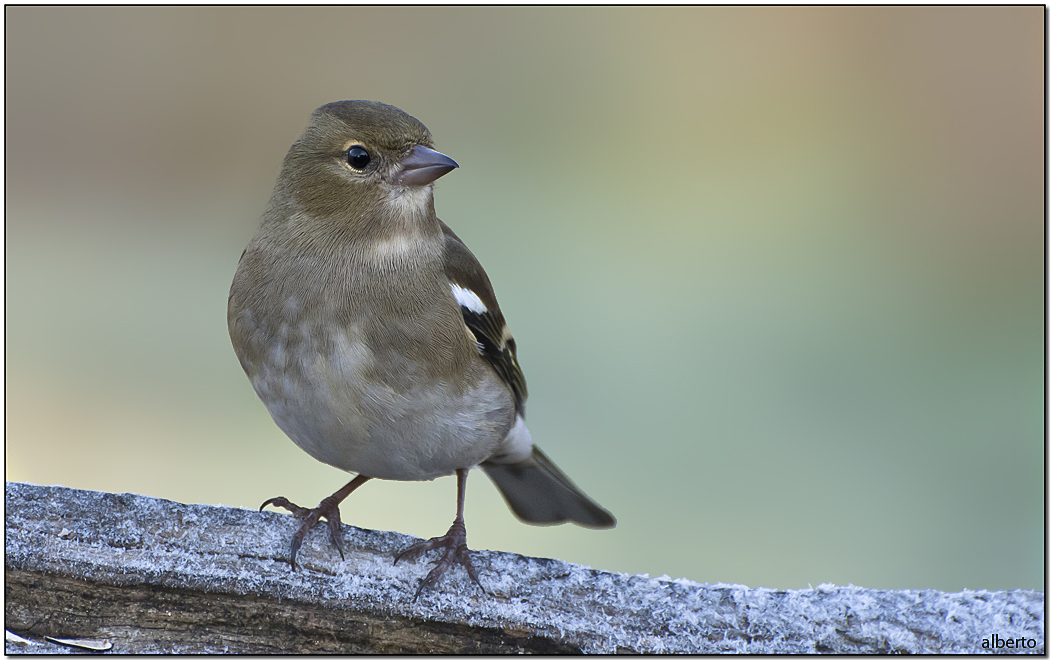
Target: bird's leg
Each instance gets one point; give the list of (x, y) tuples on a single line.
[(328, 509), (454, 542)]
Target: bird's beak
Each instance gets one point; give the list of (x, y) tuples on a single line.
[(422, 166)]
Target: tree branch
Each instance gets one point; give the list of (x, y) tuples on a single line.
[(148, 576)]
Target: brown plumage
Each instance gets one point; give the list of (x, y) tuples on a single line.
[(373, 335)]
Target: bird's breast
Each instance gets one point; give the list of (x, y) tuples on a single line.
[(370, 374)]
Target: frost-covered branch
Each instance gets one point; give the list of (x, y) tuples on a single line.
[(149, 575)]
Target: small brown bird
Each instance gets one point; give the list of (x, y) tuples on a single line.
[(373, 336)]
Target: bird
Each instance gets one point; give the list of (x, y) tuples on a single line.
[(373, 336)]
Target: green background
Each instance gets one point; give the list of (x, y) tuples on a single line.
[(776, 274)]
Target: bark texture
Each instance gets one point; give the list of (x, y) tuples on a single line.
[(130, 573)]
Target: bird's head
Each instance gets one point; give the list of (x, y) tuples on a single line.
[(362, 162)]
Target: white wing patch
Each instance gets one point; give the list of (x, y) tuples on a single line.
[(467, 298)]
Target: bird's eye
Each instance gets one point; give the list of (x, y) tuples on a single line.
[(358, 157)]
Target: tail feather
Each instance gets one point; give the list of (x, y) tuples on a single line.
[(539, 493)]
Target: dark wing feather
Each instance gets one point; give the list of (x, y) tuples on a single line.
[(489, 328)]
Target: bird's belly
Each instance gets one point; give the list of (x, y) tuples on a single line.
[(330, 397)]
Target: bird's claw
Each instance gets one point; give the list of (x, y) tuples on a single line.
[(455, 544), (327, 509), (297, 511)]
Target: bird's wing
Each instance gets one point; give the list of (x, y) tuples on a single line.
[(477, 301)]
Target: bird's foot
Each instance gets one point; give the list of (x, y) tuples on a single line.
[(455, 544), (327, 509)]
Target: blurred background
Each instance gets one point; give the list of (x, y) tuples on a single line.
[(776, 274)]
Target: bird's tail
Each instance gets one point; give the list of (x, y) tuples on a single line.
[(539, 493)]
